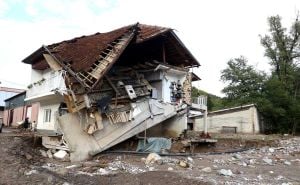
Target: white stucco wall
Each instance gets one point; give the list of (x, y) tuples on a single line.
[(37, 75), (246, 121), (52, 104)]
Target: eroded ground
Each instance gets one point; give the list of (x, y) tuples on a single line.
[(276, 163)]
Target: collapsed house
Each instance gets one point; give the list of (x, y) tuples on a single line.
[(99, 90)]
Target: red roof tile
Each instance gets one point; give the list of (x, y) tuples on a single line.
[(82, 52)]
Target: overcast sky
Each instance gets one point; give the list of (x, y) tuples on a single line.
[(214, 31)]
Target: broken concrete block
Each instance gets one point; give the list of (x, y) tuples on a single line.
[(152, 157), (225, 172), (287, 163), (61, 154), (271, 150)]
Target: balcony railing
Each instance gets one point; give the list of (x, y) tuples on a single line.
[(200, 102), (47, 86)]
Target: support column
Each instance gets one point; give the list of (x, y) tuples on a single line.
[(205, 121)]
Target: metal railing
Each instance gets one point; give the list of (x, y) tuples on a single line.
[(55, 82)]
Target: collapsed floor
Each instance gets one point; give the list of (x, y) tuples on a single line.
[(276, 163)]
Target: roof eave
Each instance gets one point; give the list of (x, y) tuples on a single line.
[(32, 57)]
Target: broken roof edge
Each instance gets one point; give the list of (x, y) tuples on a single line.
[(33, 56)]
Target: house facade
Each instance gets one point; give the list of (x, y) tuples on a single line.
[(96, 91), (16, 110), (6, 92)]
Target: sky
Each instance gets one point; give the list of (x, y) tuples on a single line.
[(214, 31)]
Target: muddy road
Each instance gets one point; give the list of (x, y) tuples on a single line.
[(269, 163)]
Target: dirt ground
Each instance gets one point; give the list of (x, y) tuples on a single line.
[(271, 160)]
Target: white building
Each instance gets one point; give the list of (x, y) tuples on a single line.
[(242, 119)]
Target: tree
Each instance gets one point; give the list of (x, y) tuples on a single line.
[(282, 88), (244, 82)]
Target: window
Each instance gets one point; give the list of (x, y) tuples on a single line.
[(47, 115)]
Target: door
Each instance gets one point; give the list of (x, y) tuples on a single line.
[(11, 117)]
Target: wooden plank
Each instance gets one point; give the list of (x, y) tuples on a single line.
[(52, 63)]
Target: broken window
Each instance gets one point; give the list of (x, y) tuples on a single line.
[(47, 115)]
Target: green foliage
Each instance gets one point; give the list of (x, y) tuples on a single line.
[(244, 82), (277, 95), (213, 102)]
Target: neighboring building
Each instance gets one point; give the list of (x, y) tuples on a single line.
[(16, 110), (242, 119), (96, 91), (6, 92)]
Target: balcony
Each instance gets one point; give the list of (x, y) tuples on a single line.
[(47, 86), (200, 103)]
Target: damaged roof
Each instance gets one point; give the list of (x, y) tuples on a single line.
[(81, 52)]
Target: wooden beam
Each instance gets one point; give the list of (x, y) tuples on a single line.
[(112, 85)]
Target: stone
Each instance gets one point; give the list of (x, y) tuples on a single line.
[(207, 169), (272, 150), (287, 163), (31, 172), (61, 154), (237, 156), (183, 164), (259, 177), (103, 171), (43, 153), (152, 157), (225, 172), (271, 172), (170, 169), (49, 154), (28, 156), (190, 159), (267, 160), (151, 168)]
